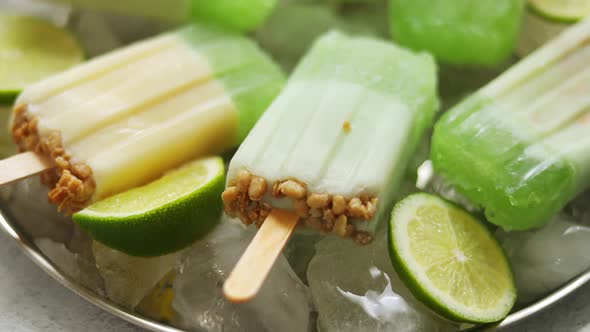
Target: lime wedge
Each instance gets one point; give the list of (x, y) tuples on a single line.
[(450, 261), (32, 49), (163, 216), (561, 10)]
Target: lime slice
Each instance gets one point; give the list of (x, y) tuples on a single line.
[(32, 49), (163, 216), (450, 261), (561, 10)]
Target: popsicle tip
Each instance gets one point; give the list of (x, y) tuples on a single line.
[(238, 292)]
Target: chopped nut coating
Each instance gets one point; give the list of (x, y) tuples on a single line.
[(318, 201), (72, 183), (318, 211), (257, 188), (355, 208), (362, 238), (244, 178), (338, 204), (340, 226), (292, 189), (230, 194)]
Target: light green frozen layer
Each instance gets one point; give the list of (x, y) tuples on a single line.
[(481, 32), (346, 124), (520, 146), (249, 76)]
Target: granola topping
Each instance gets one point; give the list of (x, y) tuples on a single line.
[(71, 182), (319, 211)]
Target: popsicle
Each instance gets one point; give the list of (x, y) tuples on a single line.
[(481, 32), (520, 147), (240, 15), (330, 151), (123, 119)]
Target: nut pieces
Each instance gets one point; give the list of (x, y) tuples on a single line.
[(320, 211)]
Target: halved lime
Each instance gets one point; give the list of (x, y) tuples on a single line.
[(561, 10), (163, 216), (32, 49), (450, 260)]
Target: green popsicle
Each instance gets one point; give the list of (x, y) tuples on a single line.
[(520, 147)]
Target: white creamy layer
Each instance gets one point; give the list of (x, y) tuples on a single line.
[(135, 113), (545, 99), (303, 136), (549, 89)]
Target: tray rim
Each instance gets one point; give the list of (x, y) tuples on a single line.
[(35, 255)]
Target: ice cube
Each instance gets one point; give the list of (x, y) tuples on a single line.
[(281, 305), (25, 203), (75, 266), (129, 279), (579, 208), (355, 288), (300, 250), (546, 258)]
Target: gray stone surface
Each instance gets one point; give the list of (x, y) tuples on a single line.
[(31, 301)]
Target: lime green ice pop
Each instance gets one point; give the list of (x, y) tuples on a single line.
[(480, 32), (240, 15), (123, 119), (520, 146), (335, 144)]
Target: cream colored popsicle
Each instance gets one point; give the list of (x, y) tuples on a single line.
[(123, 119)]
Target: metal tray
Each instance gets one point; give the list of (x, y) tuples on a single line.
[(15, 226)]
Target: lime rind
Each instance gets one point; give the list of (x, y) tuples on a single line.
[(422, 287), (7, 97), (554, 10), (162, 229)]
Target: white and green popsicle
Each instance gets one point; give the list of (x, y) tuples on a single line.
[(240, 15), (334, 145), (520, 146), (123, 119)]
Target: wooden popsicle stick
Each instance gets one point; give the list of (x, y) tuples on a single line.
[(23, 165), (247, 277)]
